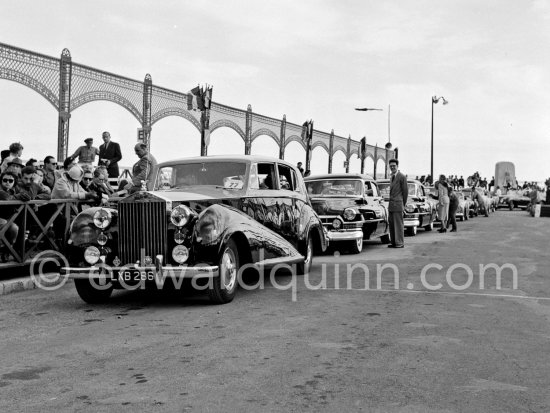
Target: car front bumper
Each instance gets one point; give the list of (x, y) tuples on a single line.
[(336, 236), (411, 222), (145, 273)]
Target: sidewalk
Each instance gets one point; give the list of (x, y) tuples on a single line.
[(14, 285)]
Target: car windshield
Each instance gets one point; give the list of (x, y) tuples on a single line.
[(228, 175), (335, 188)]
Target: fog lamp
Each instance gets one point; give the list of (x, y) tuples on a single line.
[(180, 254), (102, 239), (91, 255), (336, 224)]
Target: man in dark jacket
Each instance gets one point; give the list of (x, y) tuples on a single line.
[(109, 155), (398, 199), (28, 186)]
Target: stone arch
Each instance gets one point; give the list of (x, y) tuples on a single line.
[(354, 151), (175, 112), (268, 132), (369, 155), (320, 144), (341, 149), (225, 123), (295, 138), (108, 96), (31, 83)]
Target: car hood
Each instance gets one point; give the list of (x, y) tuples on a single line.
[(198, 193), (334, 206)]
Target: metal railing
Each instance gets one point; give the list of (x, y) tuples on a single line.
[(43, 225)]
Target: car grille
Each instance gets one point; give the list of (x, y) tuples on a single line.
[(142, 226), (346, 226)]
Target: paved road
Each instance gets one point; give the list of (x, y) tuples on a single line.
[(327, 349)]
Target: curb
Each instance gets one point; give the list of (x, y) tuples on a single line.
[(15, 285)]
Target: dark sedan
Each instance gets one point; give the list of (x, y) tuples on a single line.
[(350, 208), (205, 218)]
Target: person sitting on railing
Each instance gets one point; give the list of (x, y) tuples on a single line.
[(28, 186), (68, 186)]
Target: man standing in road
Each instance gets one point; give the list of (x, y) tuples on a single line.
[(398, 199), (142, 169), (109, 155)]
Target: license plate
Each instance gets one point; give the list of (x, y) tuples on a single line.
[(136, 275)]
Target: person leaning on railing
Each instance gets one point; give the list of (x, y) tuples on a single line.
[(68, 186), (7, 193)]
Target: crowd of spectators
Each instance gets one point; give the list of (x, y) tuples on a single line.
[(80, 177)]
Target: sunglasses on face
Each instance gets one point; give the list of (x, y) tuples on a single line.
[(87, 179), (7, 180)]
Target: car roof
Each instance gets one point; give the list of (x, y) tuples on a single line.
[(219, 158), (339, 176)]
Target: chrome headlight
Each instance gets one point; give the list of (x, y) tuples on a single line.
[(102, 218), (349, 214), (180, 215), (336, 224), (410, 208), (91, 255), (180, 254)]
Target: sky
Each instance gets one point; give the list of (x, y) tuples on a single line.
[(307, 59)]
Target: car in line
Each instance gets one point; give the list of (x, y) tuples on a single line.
[(420, 210), (205, 219), (514, 199), (350, 208)]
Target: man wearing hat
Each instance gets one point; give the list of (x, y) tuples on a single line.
[(68, 186), (86, 154), (15, 166)]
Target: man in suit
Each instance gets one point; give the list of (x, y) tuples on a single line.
[(109, 155), (398, 199)]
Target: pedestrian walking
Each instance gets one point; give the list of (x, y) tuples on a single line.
[(398, 199)]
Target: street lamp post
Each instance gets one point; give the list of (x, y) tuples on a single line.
[(435, 100), (364, 140)]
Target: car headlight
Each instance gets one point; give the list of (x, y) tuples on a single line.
[(410, 208), (180, 254), (102, 218), (180, 215), (378, 214), (208, 228), (91, 255), (349, 214), (336, 224)]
